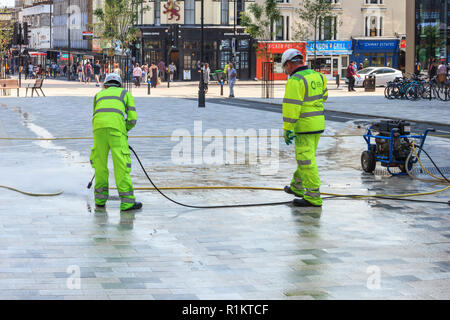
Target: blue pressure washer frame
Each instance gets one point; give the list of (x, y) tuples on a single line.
[(390, 160)]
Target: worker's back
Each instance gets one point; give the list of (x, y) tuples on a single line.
[(110, 108)]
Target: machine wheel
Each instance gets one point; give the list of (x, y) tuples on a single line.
[(368, 161)]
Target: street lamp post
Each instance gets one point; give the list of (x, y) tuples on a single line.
[(68, 41), (201, 91)]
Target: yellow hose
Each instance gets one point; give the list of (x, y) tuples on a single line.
[(33, 194)]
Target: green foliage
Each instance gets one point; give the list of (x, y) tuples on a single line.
[(6, 34), (117, 19), (259, 21), (310, 13)]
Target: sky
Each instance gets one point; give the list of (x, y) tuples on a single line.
[(8, 3)]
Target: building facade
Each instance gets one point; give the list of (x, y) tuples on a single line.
[(170, 31), (38, 16), (428, 37), (367, 31)]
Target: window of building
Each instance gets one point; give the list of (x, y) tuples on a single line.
[(157, 12), (287, 27), (189, 11), (224, 12), (239, 9), (279, 25), (328, 28), (374, 1), (373, 26)]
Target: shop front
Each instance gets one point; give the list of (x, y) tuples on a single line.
[(182, 45), (272, 51), (376, 53), (332, 57)]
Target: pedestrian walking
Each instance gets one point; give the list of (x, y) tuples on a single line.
[(80, 72), (117, 70), (351, 76), (232, 73), (88, 72), (442, 72), (97, 73), (30, 70), (432, 69), (206, 75), (162, 70), (144, 72), (137, 74), (153, 73), (172, 70), (303, 122), (110, 130)]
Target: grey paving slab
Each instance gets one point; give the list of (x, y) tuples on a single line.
[(170, 252)]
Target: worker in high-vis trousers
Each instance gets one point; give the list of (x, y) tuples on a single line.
[(114, 114), (304, 121)]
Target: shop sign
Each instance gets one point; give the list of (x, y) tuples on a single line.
[(281, 45), (329, 47), (376, 45)]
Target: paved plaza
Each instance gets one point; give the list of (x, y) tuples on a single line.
[(63, 248)]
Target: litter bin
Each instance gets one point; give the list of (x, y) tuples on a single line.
[(369, 83)]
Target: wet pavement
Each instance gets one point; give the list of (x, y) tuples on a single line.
[(62, 248)]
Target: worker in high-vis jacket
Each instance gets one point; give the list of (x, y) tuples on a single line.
[(304, 121), (114, 114)]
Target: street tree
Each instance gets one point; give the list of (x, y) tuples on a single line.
[(312, 15), (116, 21), (259, 22), (6, 34)]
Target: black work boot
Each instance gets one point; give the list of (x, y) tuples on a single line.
[(303, 203), (136, 206), (288, 189)]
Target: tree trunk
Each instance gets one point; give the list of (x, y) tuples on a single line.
[(315, 43)]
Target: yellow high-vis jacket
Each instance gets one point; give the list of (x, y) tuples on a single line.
[(114, 108), (306, 91)]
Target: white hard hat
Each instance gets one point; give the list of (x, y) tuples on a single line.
[(290, 55), (113, 79)]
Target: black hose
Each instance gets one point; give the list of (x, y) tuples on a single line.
[(434, 164), (271, 203), (206, 207)]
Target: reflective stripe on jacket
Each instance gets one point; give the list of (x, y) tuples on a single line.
[(305, 93), (114, 108)]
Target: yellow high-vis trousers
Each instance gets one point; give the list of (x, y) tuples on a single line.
[(106, 139), (306, 182)]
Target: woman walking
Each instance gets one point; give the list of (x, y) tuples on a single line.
[(80, 72), (137, 74)]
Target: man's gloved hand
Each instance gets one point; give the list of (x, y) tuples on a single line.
[(288, 136)]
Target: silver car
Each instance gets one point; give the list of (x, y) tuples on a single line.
[(382, 75)]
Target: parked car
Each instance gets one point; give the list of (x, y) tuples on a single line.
[(382, 75)]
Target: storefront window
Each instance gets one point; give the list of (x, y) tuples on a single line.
[(431, 31), (378, 60), (190, 44), (151, 44), (366, 61)]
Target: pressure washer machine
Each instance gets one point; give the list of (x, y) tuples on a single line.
[(393, 144)]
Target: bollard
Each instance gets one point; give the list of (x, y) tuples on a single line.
[(338, 80), (168, 80), (221, 87), (148, 87)]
